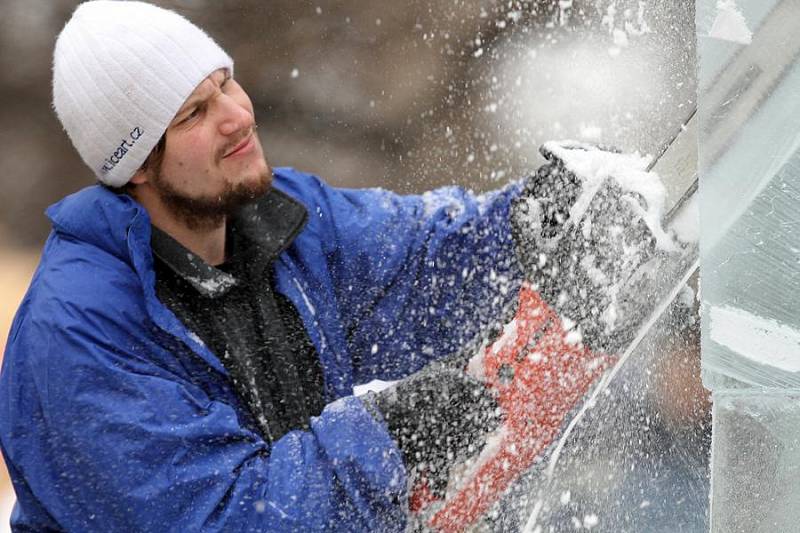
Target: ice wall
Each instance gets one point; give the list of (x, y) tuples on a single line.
[(749, 151)]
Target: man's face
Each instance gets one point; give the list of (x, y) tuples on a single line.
[(213, 161)]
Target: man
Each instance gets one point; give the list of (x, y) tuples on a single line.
[(185, 356)]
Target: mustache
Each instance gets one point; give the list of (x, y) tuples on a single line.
[(235, 142)]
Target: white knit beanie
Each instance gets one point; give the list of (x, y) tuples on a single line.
[(121, 71)]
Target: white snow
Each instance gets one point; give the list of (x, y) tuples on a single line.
[(508, 337), (730, 24), (448, 198), (591, 132), (594, 166), (759, 339), (564, 7), (620, 38), (574, 337), (212, 285), (610, 315), (376, 385), (590, 520), (686, 224)]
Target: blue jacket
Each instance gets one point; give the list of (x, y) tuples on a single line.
[(115, 417)]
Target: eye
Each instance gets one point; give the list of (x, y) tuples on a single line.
[(194, 114)]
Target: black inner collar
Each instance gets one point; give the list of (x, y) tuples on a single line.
[(256, 235)]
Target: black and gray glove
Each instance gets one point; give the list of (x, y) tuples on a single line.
[(578, 245), (437, 416)]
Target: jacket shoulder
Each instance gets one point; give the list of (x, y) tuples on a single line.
[(77, 284), (302, 186)]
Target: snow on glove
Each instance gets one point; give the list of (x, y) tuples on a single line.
[(437, 416), (583, 228)]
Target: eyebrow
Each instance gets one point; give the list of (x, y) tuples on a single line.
[(196, 99)]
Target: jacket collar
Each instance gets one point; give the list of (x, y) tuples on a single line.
[(121, 227), (257, 234)]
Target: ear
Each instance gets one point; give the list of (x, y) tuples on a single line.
[(141, 176)]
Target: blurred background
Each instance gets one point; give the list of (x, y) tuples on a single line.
[(402, 95)]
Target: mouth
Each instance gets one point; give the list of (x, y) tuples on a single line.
[(245, 146)]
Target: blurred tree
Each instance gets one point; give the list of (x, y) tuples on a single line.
[(393, 94)]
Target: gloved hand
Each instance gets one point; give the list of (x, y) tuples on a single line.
[(579, 239), (436, 416)]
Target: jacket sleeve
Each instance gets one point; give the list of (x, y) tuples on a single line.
[(417, 277), (127, 445)]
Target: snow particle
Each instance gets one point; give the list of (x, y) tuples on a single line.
[(620, 38), (730, 24), (590, 520), (295, 73)]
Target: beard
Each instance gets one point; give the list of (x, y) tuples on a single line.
[(209, 212)]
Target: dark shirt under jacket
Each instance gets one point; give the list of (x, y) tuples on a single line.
[(254, 330)]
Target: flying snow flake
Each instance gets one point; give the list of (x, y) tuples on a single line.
[(590, 520), (609, 19), (565, 497), (686, 224), (591, 132), (730, 24), (620, 38), (564, 8), (574, 337), (295, 73)]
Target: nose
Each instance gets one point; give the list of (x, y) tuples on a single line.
[(235, 117)]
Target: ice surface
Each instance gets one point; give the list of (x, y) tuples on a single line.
[(749, 148), (760, 339), (756, 461)]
